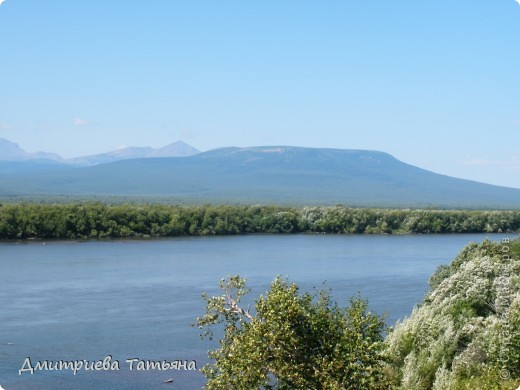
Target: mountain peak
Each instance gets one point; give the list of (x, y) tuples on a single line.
[(11, 151), (175, 149)]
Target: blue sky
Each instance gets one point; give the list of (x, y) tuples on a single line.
[(435, 83)]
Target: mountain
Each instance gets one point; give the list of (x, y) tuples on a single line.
[(277, 174), (176, 149), (10, 151), (115, 155)]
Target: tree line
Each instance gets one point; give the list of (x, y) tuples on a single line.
[(99, 220)]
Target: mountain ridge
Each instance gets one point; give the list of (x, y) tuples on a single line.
[(11, 151), (175, 149), (269, 174)]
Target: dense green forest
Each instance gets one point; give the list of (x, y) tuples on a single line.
[(98, 220), (465, 334)]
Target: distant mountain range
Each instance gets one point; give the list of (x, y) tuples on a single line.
[(10, 151), (271, 174)]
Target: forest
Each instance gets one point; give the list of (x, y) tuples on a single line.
[(100, 220)]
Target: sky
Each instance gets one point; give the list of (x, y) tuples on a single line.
[(434, 83)]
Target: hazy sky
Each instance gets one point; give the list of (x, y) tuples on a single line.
[(435, 83)]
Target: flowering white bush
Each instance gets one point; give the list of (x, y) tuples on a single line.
[(466, 333)]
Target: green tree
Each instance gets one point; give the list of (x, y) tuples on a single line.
[(294, 341)]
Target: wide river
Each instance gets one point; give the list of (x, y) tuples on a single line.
[(135, 299)]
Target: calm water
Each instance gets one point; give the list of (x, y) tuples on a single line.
[(137, 299)]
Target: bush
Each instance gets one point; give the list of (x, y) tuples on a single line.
[(466, 333), (294, 341)]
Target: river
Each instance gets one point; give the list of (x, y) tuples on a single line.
[(137, 299)]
